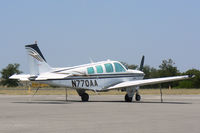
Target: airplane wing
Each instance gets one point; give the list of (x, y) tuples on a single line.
[(147, 82)]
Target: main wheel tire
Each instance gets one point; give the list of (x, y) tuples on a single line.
[(127, 98), (85, 97), (137, 97)]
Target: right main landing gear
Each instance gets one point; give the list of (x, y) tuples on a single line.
[(137, 97)]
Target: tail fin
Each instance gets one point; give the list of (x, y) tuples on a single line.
[(37, 62)]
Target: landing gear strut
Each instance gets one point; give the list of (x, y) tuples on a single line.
[(127, 98), (85, 97)]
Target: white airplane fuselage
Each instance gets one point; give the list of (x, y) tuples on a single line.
[(97, 81)]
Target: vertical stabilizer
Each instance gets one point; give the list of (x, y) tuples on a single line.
[(37, 62)]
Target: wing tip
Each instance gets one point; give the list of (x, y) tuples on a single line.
[(191, 76)]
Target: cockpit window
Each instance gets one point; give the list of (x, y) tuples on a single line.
[(99, 69), (119, 68), (109, 68), (125, 65), (90, 70)]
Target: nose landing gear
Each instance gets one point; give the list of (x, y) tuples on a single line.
[(127, 98), (85, 97)]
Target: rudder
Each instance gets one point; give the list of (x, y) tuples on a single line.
[(37, 62)]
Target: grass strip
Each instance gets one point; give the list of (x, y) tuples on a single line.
[(61, 91)]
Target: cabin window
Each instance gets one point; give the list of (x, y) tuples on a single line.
[(90, 70), (99, 69), (119, 68), (109, 67)]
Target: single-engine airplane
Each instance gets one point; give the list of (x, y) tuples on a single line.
[(98, 77)]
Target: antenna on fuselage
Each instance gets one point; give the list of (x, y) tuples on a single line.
[(91, 60)]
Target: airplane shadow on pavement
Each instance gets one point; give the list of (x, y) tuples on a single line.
[(78, 101)]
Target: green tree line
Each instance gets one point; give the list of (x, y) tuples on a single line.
[(166, 68)]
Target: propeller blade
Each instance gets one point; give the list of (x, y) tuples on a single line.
[(142, 63)]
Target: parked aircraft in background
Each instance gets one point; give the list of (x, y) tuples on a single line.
[(100, 76)]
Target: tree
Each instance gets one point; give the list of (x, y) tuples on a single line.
[(167, 69), (150, 72), (193, 82), (7, 72), (134, 67)]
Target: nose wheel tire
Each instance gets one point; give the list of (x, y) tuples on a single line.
[(85, 97), (137, 97), (127, 98)]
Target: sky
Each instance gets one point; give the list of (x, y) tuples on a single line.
[(70, 32)]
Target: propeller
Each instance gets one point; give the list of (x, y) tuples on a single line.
[(142, 64), (141, 69)]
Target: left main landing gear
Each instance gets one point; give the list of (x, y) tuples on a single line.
[(137, 96)]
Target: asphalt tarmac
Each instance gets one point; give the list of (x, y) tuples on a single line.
[(103, 114)]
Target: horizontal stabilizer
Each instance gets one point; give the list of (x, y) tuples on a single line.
[(21, 77), (52, 76), (45, 76)]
